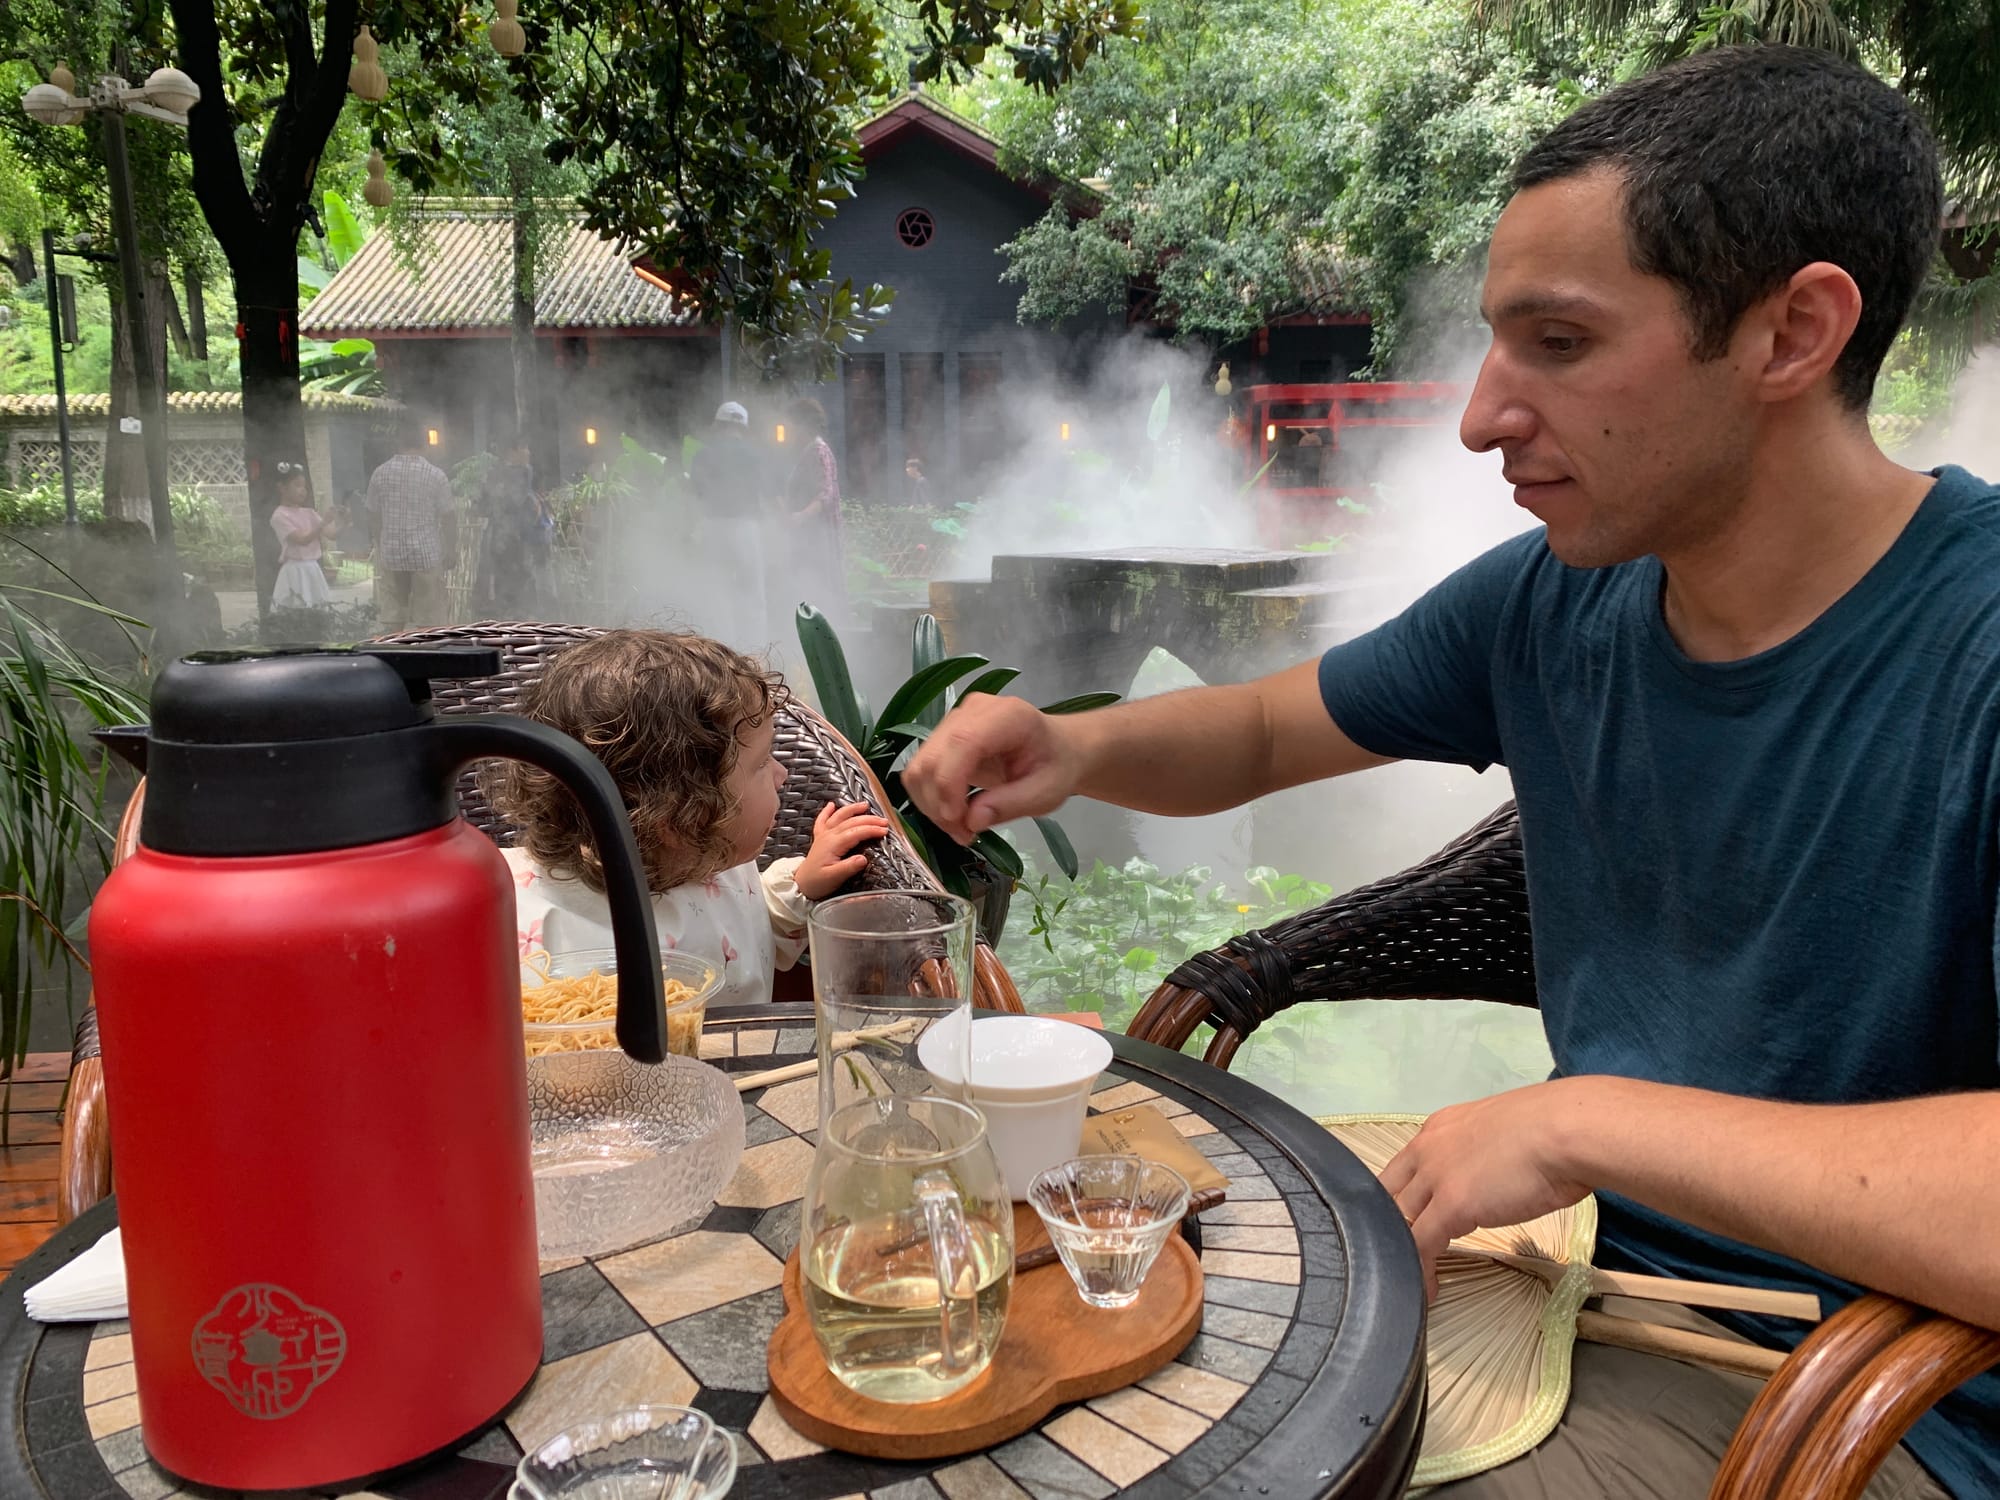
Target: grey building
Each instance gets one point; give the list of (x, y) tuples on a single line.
[(933, 382)]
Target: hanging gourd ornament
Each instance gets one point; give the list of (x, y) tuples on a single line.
[(377, 192), (506, 35), (366, 80)]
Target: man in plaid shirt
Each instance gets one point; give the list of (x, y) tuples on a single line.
[(416, 535)]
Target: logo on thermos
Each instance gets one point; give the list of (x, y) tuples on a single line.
[(267, 1350)]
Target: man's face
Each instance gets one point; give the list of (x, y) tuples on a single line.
[(1613, 435)]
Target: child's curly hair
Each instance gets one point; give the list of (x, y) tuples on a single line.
[(663, 711)]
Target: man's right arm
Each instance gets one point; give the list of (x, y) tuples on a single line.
[(1180, 754)]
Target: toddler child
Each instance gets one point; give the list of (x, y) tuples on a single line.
[(684, 726)]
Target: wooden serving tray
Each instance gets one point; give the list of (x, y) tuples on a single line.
[(1055, 1349)]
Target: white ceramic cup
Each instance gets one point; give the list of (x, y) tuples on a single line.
[(1031, 1078)]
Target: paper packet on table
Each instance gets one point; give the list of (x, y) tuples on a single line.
[(89, 1289), (1143, 1131)]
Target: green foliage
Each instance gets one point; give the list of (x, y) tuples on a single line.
[(1209, 134), (1105, 941), (345, 366), (1440, 110), (26, 366), (54, 845), (912, 711)]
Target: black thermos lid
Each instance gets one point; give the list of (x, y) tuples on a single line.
[(293, 750)]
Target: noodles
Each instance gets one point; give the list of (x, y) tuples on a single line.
[(570, 1003)]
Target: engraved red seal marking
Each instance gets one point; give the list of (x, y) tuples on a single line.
[(267, 1350)]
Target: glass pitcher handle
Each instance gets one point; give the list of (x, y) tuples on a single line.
[(957, 1272)]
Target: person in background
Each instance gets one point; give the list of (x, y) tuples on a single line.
[(916, 488), (416, 535), (684, 725), (812, 497), (728, 484), (505, 589), (301, 581)]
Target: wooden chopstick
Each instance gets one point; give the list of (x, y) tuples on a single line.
[(843, 1041)]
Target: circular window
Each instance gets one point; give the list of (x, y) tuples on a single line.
[(914, 227)]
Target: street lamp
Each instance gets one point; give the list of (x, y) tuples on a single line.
[(166, 96)]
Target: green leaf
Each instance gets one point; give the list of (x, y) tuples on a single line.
[(926, 643), (927, 650), (346, 347), (989, 682), (1081, 703), (1061, 850), (914, 696), (905, 732), (1138, 960), (312, 275), (826, 663), (1245, 487), (344, 234), (1156, 419), (1000, 854)]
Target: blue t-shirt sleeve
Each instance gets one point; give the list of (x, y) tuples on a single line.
[(1420, 686)]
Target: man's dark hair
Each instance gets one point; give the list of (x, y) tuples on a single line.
[(1744, 164), (411, 433)]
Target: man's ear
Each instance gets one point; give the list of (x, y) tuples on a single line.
[(1802, 329)]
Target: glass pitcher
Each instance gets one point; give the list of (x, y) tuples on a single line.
[(892, 995), (906, 1247)]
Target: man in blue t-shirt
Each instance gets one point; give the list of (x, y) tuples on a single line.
[(1746, 679)]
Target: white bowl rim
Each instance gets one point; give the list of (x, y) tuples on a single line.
[(1064, 1057)]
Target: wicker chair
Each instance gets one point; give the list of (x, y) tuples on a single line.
[(1456, 926), (821, 767)]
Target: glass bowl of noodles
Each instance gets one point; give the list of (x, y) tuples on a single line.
[(569, 1000)]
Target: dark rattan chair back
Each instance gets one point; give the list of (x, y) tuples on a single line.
[(1453, 927)]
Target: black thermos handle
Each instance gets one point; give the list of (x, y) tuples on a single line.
[(642, 1010)]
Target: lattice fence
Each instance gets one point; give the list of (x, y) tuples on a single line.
[(190, 461), (32, 462), (206, 461)]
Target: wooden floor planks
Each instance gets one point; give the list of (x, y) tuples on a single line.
[(32, 1125)]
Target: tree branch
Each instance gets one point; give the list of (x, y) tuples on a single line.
[(217, 170)]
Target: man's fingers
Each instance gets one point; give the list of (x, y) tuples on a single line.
[(1032, 795)]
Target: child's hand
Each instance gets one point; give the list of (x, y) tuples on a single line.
[(832, 862)]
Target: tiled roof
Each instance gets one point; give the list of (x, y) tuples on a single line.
[(463, 287), (97, 404)]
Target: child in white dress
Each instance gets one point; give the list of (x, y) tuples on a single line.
[(301, 584), (684, 726)]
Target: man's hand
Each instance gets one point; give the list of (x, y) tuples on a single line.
[(831, 861), (991, 760), (1491, 1163)]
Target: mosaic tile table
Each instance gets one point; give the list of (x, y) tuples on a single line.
[(1306, 1381)]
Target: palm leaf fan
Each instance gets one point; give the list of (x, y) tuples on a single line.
[(1509, 1310)]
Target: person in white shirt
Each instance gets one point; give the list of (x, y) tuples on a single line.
[(684, 725)]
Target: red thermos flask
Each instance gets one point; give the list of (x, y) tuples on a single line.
[(308, 996)]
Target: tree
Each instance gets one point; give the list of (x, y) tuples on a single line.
[(493, 145), (66, 170), (1439, 112), (1209, 134)]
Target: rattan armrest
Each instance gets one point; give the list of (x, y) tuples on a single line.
[(1452, 927), (1846, 1397)]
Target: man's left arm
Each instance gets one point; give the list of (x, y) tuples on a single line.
[(1901, 1197)]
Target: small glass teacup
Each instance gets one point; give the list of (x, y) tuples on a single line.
[(639, 1453), (1109, 1218)]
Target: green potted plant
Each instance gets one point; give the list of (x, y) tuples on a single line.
[(985, 872), (53, 835)]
